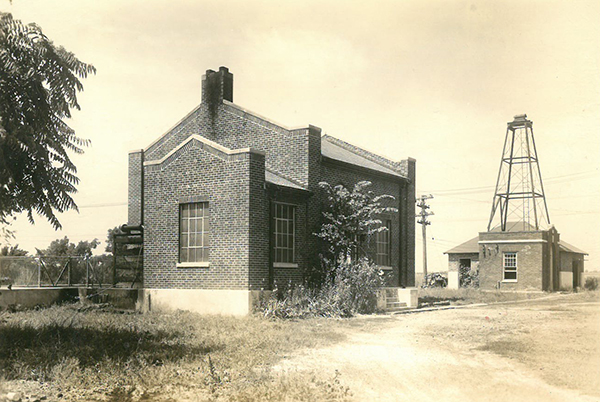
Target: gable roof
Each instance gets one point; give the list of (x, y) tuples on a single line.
[(469, 247), (472, 247), (564, 246), (515, 226), (330, 148), (278, 180)]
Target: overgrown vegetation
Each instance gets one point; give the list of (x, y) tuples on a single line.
[(591, 283), (353, 290), (94, 353), (469, 278), (346, 279), (434, 280)]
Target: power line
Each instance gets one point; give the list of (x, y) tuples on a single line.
[(108, 204), (554, 179)]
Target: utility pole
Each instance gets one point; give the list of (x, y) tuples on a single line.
[(421, 203)]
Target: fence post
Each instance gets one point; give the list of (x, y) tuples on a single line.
[(39, 265), (87, 273), (114, 267), (69, 271)]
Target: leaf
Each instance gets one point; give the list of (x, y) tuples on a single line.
[(38, 88)]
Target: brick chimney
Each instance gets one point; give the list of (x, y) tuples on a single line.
[(216, 86)]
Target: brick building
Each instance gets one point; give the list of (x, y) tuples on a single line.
[(520, 258), (229, 201)]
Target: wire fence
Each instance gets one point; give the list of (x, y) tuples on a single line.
[(56, 271)]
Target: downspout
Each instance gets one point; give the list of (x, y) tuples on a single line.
[(142, 190), (401, 238)]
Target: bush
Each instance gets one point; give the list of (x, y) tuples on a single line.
[(434, 280), (353, 290), (357, 284), (591, 283), (469, 278)]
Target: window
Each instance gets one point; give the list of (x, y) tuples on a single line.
[(383, 241), (193, 232), (510, 267), (284, 233)]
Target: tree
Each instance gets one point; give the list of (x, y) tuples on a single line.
[(64, 248), (350, 219), (109, 238), (38, 88), (347, 281), (13, 251)]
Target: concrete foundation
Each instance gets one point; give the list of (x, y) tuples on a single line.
[(34, 297), (124, 298), (43, 297), (203, 301)]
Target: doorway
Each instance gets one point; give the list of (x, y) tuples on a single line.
[(576, 275)]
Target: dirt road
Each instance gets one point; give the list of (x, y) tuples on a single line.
[(537, 351)]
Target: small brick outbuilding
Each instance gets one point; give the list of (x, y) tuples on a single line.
[(520, 258), (229, 201)]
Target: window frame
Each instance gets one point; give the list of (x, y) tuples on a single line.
[(204, 233), (386, 243), (513, 269), (274, 234)]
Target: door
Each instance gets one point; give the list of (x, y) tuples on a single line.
[(576, 275)]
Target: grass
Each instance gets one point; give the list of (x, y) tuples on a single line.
[(471, 296), (95, 354)]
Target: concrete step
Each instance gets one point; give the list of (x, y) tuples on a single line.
[(389, 305)]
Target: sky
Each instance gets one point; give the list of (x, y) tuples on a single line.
[(432, 80)]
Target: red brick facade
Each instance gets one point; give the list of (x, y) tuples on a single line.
[(240, 164)]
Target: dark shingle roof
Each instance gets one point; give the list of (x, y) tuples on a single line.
[(274, 178), (470, 246), (564, 246), (336, 152)]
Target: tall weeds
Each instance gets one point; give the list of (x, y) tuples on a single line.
[(351, 290)]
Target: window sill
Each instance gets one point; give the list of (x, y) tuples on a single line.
[(509, 280), (193, 265), (385, 268), (285, 265)]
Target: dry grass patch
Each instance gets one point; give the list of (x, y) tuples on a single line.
[(103, 354), (462, 296)]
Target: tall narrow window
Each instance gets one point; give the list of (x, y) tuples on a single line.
[(284, 233), (383, 240), (510, 267), (193, 232)]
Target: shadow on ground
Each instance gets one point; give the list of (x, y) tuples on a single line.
[(29, 352)]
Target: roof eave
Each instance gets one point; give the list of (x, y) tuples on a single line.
[(352, 166)]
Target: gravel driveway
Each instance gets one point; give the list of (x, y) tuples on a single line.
[(537, 351)]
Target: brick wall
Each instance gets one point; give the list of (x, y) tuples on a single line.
[(454, 261), (226, 182), (134, 199), (258, 233), (407, 223), (282, 276), (240, 206), (334, 175), (286, 150), (532, 259)]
